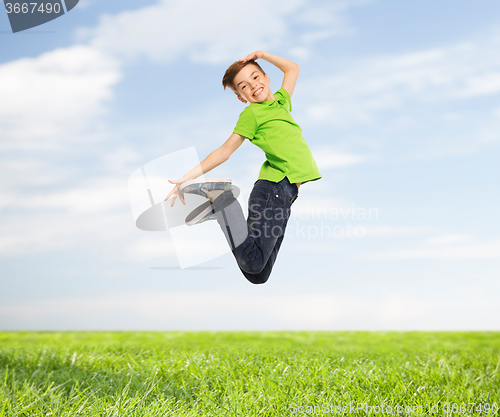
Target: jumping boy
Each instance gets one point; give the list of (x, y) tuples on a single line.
[(267, 123)]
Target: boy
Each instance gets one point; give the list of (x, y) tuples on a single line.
[(267, 123)]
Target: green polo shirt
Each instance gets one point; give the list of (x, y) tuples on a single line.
[(270, 126)]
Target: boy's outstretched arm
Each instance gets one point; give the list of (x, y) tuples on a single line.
[(214, 159), (290, 69)]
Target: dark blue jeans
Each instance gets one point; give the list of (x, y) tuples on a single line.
[(255, 242)]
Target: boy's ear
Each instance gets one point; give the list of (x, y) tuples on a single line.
[(241, 98)]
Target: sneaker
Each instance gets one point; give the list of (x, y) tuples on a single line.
[(205, 188), (206, 211), (201, 214)]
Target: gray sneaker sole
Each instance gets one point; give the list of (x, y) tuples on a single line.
[(199, 213), (204, 209)]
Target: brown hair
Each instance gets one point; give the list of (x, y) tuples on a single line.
[(234, 69)]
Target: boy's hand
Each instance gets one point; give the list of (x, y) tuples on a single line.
[(253, 55), (175, 191)]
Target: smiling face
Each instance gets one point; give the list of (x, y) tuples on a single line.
[(252, 85)]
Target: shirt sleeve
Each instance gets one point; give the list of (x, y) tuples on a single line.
[(247, 124), (284, 94)]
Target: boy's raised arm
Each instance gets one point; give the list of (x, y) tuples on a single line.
[(290, 69)]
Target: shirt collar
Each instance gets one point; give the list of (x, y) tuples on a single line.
[(280, 101)]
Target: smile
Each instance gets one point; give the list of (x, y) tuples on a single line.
[(258, 91)]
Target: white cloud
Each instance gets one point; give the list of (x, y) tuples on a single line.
[(170, 29), (217, 31), (327, 158), (448, 239), (367, 87), (84, 4), (254, 310), (28, 171), (96, 196), (50, 102), (121, 159), (328, 230), (94, 212), (53, 96), (329, 15), (386, 230), (151, 248), (301, 53), (36, 232), (321, 208), (477, 251)]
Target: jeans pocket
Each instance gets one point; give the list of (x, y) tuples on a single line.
[(284, 197), (257, 202), (280, 201), (291, 192), (256, 207)]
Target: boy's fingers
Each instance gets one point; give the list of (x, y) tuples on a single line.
[(173, 191), (170, 194), (181, 197), (173, 200)]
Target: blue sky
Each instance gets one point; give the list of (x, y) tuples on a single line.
[(399, 102)]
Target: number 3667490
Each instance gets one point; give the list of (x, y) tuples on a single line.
[(33, 7)]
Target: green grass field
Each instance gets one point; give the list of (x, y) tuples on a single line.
[(249, 373)]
